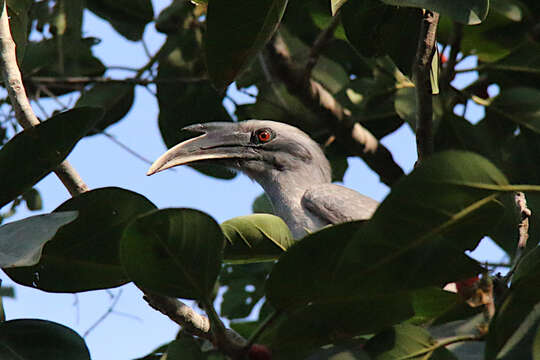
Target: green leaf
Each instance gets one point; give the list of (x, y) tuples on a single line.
[(529, 268), (49, 341), (21, 242), (83, 255), (442, 208), (250, 24), (202, 100), (297, 333), (469, 12), (403, 342), (520, 105), (257, 237), (128, 17), (174, 252), (115, 99), (30, 155), (375, 29), (430, 303), (53, 58), (514, 326), (262, 205), (536, 346)]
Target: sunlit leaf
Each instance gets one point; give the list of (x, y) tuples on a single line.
[(21, 242), (257, 237)]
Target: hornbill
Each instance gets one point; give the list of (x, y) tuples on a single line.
[(285, 161)]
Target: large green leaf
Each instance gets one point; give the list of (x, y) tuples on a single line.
[(83, 255), (21, 242), (33, 153), (520, 105), (32, 339), (174, 252), (416, 238), (115, 99), (403, 342), (53, 58), (376, 29), (257, 237), (128, 17), (250, 24), (468, 12)]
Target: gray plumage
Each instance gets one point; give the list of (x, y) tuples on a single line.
[(286, 162)]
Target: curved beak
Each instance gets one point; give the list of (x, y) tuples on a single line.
[(218, 140)]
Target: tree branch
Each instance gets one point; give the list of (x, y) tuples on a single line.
[(19, 101), (318, 45), (78, 82), (449, 69), (422, 68), (357, 139), (231, 344)]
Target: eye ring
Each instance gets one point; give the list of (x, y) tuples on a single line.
[(264, 135)]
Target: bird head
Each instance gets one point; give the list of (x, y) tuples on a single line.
[(261, 149)]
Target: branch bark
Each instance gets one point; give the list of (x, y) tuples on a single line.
[(314, 96), (230, 342), (421, 71), (23, 111)]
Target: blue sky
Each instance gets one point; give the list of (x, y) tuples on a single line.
[(134, 329)]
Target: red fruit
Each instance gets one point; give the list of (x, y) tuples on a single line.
[(443, 58), (259, 352), (464, 286)]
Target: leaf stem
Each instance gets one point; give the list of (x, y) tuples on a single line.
[(442, 343)]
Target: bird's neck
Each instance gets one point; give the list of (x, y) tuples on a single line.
[(285, 190)]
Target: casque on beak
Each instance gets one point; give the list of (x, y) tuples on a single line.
[(218, 140)]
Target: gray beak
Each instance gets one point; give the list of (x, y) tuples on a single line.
[(219, 140)]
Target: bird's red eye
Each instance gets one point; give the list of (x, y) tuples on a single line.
[(264, 135)]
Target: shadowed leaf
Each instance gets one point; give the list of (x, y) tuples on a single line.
[(83, 255), (174, 252), (49, 341), (33, 153)]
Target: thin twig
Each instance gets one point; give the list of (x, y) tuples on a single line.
[(104, 315), (525, 213), (422, 68), (126, 148), (23, 111)]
